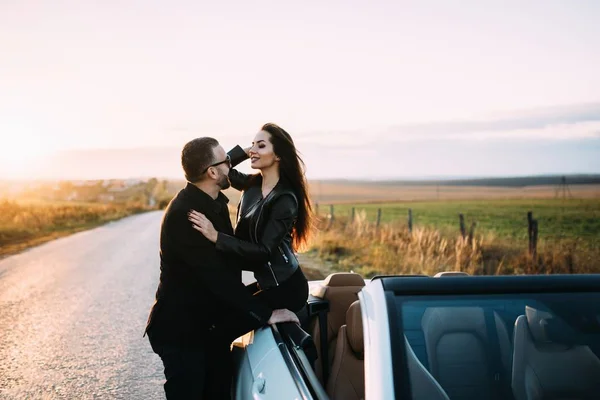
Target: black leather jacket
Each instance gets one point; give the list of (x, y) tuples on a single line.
[(263, 233)]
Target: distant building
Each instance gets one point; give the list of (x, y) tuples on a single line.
[(72, 196), (133, 182), (106, 198), (117, 187)]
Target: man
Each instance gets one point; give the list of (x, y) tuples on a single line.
[(201, 304)]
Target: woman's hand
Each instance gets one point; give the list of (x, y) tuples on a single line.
[(247, 150), (202, 224), (283, 315)]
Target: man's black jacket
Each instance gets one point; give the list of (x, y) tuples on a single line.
[(198, 291)]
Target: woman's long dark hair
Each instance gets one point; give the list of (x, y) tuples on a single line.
[(291, 168)]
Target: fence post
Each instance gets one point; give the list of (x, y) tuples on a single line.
[(472, 233), (410, 221), (378, 217), (461, 219), (530, 231), (330, 217), (352, 215), (534, 238), (317, 209)]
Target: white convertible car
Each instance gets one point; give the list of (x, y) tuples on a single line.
[(444, 337)]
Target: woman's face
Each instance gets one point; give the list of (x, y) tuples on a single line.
[(261, 153)]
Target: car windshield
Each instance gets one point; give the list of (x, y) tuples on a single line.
[(526, 346)]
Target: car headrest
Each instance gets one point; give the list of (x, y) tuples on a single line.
[(340, 290), (450, 273), (344, 279), (439, 321), (354, 327), (537, 321), (548, 328), (338, 279)]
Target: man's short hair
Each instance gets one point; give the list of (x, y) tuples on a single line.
[(196, 156)]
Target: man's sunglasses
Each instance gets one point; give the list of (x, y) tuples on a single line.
[(226, 160)]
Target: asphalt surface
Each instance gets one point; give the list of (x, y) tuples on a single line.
[(73, 311)]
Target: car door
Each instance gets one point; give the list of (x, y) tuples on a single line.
[(260, 370)]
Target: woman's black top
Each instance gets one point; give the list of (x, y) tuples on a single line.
[(263, 233)]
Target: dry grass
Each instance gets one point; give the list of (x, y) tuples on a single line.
[(392, 249), (26, 224)]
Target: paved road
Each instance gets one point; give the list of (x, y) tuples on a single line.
[(72, 314)]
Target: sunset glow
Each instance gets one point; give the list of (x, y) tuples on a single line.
[(21, 151), (391, 75)]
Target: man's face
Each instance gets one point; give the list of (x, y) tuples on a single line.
[(222, 169)]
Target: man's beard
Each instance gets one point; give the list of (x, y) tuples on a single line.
[(223, 181)]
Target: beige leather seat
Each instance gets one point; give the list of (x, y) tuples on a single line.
[(458, 351), (341, 290), (546, 369), (347, 380)]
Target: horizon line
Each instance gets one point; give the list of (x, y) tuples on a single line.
[(427, 178)]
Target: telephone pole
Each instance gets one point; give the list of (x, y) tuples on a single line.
[(563, 189)]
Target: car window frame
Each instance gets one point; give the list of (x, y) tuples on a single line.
[(300, 369)]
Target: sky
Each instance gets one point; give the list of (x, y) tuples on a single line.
[(367, 89)]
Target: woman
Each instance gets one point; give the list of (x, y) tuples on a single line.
[(273, 218)]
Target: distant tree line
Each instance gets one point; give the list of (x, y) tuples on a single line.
[(523, 181)]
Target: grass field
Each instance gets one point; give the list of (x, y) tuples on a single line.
[(569, 229), (507, 219)]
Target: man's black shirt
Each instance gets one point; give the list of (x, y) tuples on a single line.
[(199, 290)]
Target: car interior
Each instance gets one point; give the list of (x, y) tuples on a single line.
[(338, 291), (457, 344), (550, 364), (346, 380), (505, 349), (339, 363)]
